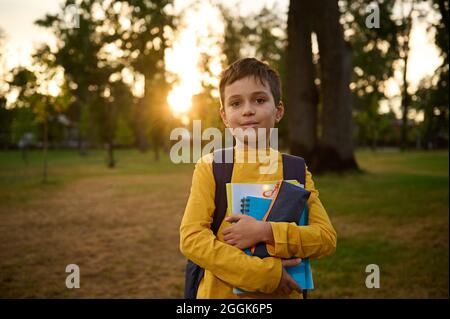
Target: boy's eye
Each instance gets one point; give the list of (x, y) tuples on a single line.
[(260, 100), (234, 104)]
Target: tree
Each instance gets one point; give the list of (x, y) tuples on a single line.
[(302, 93), (327, 145), (403, 38), (262, 35), (432, 95), (35, 95), (109, 108), (143, 45), (114, 39), (233, 41), (5, 115), (374, 51), (77, 53)]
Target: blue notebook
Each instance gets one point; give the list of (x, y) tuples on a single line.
[(257, 207)]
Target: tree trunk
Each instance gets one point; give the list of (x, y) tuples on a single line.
[(111, 128), (156, 150), (406, 99), (427, 127), (302, 95), (141, 136), (80, 134), (80, 110), (45, 147), (111, 161), (335, 150)]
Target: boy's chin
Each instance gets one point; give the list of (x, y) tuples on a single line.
[(245, 141), (251, 136), (250, 127)]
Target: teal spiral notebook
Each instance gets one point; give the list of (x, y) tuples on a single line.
[(257, 207)]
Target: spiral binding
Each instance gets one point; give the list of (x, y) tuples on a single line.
[(245, 209)]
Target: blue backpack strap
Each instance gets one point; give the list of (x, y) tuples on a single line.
[(222, 175), (294, 168)]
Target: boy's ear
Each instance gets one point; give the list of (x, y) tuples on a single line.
[(223, 115), (279, 112)]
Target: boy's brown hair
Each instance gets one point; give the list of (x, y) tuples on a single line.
[(251, 67)]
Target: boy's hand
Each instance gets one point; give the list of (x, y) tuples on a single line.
[(246, 232), (287, 284)]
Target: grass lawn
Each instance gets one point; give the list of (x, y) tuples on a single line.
[(120, 226)]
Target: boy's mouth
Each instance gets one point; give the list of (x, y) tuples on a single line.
[(250, 124)]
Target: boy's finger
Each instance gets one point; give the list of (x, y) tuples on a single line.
[(231, 242), (294, 285), (228, 230), (234, 218), (291, 262), (227, 237)]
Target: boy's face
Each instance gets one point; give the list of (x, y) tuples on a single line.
[(250, 104)]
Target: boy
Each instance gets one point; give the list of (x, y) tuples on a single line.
[(250, 96)]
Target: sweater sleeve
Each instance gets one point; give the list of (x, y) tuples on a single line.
[(317, 239), (198, 243)]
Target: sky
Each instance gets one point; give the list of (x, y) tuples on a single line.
[(16, 20), (201, 22)]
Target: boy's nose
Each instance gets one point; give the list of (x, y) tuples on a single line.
[(248, 109)]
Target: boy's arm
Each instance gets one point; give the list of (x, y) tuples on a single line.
[(316, 240), (198, 243)]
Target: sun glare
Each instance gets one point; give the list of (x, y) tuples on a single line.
[(180, 98), (197, 37)]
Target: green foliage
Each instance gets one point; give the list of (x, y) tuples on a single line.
[(23, 122), (432, 95), (94, 96), (38, 107), (124, 134), (374, 52), (86, 125), (95, 78), (261, 35), (144, 48)]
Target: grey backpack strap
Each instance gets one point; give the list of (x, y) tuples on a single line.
[(294, 168), (222, 169), (222, 175)]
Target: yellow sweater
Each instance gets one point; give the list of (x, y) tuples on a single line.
[(227, 266)]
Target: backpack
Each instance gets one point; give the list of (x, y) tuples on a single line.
[(293, 168)]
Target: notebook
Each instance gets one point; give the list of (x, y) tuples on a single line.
[(235, 191), (288, 204)]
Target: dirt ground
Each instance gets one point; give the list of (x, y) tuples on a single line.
[(121, 228)]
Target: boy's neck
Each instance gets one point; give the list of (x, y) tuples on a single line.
[(251, 147)]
